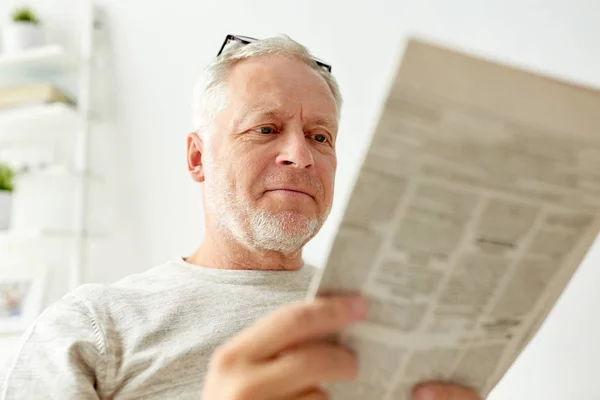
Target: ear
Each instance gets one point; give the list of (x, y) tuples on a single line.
[(195, 150)]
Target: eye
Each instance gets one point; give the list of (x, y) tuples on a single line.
[(320, 138), (266, 130)]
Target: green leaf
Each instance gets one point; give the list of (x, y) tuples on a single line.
[(25, 14), (6, 177)]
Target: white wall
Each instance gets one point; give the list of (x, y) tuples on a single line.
[(159, 47)]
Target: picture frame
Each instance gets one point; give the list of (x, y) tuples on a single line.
[(22, 291)]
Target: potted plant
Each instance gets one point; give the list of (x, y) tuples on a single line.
[(23, 32), (6, 188)]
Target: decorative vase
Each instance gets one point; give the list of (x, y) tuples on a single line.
[(19, 36), (5, 209)]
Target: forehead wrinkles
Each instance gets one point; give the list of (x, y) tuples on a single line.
[(260, 86), (282, 101)]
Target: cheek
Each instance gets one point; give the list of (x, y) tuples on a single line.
[(248, 169), (327, 175)]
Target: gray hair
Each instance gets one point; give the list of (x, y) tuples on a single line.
[(210, 91)]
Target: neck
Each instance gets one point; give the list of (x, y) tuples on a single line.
[(223, 252)]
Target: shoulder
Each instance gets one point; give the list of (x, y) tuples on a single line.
[(89, 307), (84, 320), (133, 294), (65, 340), (82, 314), (157, 279)]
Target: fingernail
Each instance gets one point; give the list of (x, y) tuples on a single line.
[(359, 307)]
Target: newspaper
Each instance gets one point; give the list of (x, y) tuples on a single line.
[(476, 201)]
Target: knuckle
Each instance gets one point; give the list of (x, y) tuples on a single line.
[(303, 316), (249, 390), (336, 360), (223, 358), (322, 311), (348, 362), (228, 373), (331, 310)]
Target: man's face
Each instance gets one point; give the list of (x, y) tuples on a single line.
[(270, 163)]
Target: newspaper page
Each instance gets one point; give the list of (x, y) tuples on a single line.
[(476, 201)]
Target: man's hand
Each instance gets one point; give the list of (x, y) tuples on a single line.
[(284, 355), (443, 391)]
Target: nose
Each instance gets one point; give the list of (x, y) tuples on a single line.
[(295, 150)]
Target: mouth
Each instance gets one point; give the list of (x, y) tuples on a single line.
[(291, 193)]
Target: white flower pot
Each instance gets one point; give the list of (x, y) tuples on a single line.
[(5, 209), (19, 36)]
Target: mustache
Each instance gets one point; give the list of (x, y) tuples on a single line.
[(294, 178)]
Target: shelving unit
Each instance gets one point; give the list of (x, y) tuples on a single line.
[(48, 127), (43, 60), (40, 122)]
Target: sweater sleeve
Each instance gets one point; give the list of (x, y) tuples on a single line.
[(62, 355)]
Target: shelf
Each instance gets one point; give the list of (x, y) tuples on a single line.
[(61, 171), (36, 234), (40, 62), (33, 234), (37, 123), (11, 238)]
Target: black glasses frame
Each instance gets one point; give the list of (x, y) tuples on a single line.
[(247, 39)]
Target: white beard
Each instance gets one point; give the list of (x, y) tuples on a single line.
[(258, 229)]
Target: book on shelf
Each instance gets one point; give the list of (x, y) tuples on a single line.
[(31, 95)]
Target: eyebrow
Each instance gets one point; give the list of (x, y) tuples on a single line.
[(273, 113), (267, 112), (326, 121)]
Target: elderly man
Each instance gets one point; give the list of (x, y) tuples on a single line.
[(228, 322)]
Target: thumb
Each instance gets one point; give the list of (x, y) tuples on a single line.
[(443, 391)]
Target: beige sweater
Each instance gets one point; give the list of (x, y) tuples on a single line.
[(148, 336)]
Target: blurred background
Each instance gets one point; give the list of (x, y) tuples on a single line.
[(97, 108)]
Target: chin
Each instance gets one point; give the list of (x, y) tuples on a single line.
[(290, 224), (293, 220)]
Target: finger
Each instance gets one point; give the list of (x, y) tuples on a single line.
[(310, 365), (443, 391), (313, 394), (297, 323)]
